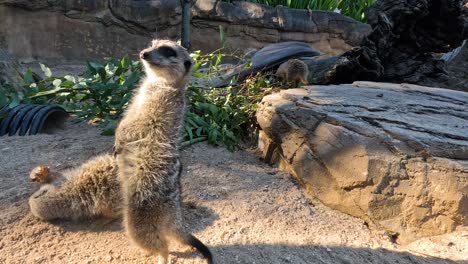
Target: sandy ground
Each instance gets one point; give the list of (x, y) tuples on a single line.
[(246, 211)]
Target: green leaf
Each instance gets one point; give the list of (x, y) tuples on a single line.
[(198, 132), (188, 130), (14, 101), (46, 70), (125, 62), (95, 65), (67, 84), (57, 82), (197, 74), (49, 92), (70, 78), (28, 76), (222, 36)]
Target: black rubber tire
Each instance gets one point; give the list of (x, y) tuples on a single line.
[(27, 120), (41, 117), (31, 118), (5, 124), (19, 117)]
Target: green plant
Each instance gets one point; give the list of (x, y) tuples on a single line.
[(223, 115), (352, 8), (355, 9), (101, 94)]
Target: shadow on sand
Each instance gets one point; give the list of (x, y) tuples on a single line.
[(313, 254), (204, 216)]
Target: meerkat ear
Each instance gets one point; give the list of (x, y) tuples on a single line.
[(187, 65)]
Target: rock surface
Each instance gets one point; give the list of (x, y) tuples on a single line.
[(457, 68), (10, 70), (77, 30), (394, 155)]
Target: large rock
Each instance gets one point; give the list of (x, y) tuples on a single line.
[(404, 46), (394, 155), (78, 30)]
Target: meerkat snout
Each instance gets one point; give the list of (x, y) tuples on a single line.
[(144, 55)]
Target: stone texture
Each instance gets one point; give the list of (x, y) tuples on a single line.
[(251, 25), (457, 66), (10, 70), (77, 30), (394, 155), (46, 36)]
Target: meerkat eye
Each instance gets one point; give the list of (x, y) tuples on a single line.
[(187, 65), (167, 52)]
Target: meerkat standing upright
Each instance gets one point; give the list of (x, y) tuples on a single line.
[(146, 147)]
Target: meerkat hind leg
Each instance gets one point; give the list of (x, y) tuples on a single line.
[(163, 256)]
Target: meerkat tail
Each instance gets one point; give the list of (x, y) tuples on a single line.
[(191, 240)]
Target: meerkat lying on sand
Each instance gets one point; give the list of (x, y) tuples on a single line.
[(88, 191)]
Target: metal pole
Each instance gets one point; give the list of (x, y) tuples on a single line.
[(186, 23)]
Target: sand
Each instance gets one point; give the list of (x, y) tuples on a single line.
[(243, 209)]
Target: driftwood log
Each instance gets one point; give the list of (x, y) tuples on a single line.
[(404, 46)]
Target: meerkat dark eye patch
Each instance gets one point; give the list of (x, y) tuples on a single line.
[(167, 52), (187, 65)]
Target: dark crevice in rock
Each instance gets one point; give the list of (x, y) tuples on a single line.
[(413, 127), (370, 121), (360, 185), (293, 156), (439, 97)]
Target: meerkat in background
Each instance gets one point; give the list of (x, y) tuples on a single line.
[(88, 191), (146, 148), (294, 71)]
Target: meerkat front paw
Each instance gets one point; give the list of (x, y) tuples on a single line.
[(40, 174)]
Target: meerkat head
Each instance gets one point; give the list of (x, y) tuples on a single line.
[(167, 62)]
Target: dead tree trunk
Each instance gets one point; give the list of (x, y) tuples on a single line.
[(406, 37)]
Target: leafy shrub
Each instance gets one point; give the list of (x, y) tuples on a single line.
[(102, 93), (222, 115)]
